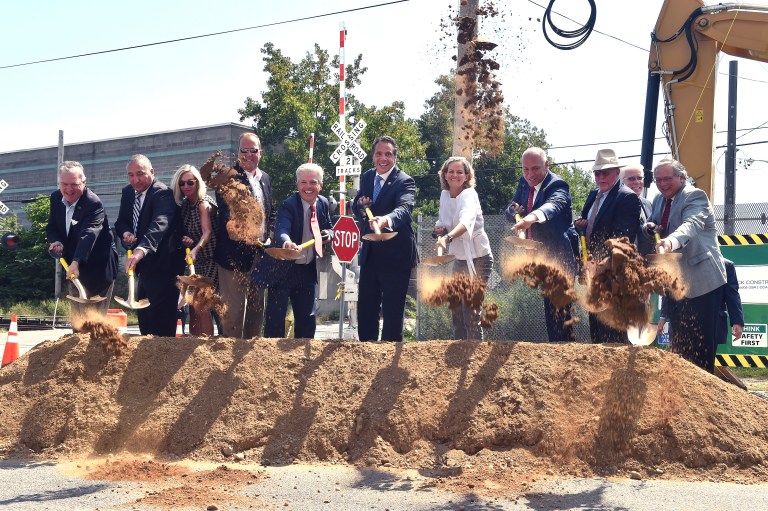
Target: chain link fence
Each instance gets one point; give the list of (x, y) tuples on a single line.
[(521, 309)]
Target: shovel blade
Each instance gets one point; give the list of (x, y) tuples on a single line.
[(438, 260), (384, 236), (641, 335)]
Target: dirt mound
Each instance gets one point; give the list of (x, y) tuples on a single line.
[(457, 408)]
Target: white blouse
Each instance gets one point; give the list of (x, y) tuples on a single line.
[(464, 209)]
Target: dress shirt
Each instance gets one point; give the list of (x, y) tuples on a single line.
[(70, 210)]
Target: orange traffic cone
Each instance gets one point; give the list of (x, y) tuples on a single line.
[(179, 329), (11, 351)]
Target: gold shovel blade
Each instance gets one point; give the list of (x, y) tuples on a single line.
[(384, 236), (93, 299), (524, 242), (438, 260), (195, 280), (284, 254)]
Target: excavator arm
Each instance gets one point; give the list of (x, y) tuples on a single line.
[(683, 62)]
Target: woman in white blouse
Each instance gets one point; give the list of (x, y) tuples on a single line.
[(460, 230)]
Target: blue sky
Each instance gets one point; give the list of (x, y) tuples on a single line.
[(595, 93)]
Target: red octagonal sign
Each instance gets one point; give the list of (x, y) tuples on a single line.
[(346, 239)]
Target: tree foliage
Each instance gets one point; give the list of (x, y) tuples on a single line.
[(27, 273)]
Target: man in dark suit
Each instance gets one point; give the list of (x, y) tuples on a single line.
[(78, 231), (297, 280), (612, 210), (148, 222), (632, 177), (385, 266), (684, 217), (236, 259), (731, 310), (545, 201)]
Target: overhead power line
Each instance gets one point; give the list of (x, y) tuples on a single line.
[(125, 48)]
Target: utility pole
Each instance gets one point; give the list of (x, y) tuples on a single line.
[(463, 131)]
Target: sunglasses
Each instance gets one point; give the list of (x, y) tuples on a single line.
[(255, 150), (191, 182)]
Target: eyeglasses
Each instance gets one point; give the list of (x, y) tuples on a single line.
[(191, 182), (255, 150), (604, 172), (633, 178), (659, 180)]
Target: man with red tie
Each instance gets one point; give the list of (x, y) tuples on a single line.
[(544, 200), (683, 216), (301, 217)]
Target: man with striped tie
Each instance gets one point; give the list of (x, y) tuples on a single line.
[(148, 223), (385, 266)]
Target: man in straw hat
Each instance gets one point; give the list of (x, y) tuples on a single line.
[(612, 210)]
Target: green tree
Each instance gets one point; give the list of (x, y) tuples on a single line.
[(27, 273)]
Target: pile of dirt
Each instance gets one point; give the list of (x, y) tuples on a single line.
[(462, 411), (463, 289)]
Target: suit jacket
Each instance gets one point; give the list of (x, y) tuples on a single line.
[(396, 199), (158, 230), (236, 255), (618, 216), (554, 201), (289, 227), (89, 241), (645, 245), (692, 223), (731, 307)]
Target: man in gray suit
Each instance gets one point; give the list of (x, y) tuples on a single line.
[(683, 216)]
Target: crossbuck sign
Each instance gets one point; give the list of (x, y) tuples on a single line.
[(3, 207), (347, 143)]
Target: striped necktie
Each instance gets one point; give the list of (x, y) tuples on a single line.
[(377, 187), (136, 212)]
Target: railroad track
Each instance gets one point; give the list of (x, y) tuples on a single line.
[(35, 322)]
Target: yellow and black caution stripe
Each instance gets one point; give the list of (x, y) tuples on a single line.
[(742, 239), (742, 360)]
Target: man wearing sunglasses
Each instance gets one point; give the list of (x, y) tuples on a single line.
[(235, 259), (612, 211), (632, 177)]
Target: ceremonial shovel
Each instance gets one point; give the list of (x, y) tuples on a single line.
[(132, 303), (289, 254), (83, 298), (663, 257), (521, 241), (192, 279), (377, 235)]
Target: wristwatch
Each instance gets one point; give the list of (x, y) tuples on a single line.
[(449, 238)]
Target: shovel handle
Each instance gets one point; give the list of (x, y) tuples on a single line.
[(307, 244), (130, 272), (186, 255), (370, 217), (65, 266), (657, 238), (518, 218), (584, 255)]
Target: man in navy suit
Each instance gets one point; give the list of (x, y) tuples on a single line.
[(149, 222), (632, 177), (731, 309), (685, 219), (548, 220), (612, 211), (297, 280), (385, 266), (78, 231)]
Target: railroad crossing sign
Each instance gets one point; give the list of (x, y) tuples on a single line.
[(3, 207), (348, 143), (346, 239)]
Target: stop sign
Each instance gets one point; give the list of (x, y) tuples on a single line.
[(346, 239)]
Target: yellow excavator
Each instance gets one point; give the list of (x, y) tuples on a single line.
[(685, 45)]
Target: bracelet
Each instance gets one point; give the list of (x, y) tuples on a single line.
[(201, 244)]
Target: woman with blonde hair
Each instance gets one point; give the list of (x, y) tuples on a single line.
[(197, 214), (461, 232)]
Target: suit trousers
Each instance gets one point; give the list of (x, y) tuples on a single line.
[(382, 293), (694, 323), (466, 321), (301, 293), (163, 295), (245, 304), (559, 328), (80, 312), (602, 333)]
